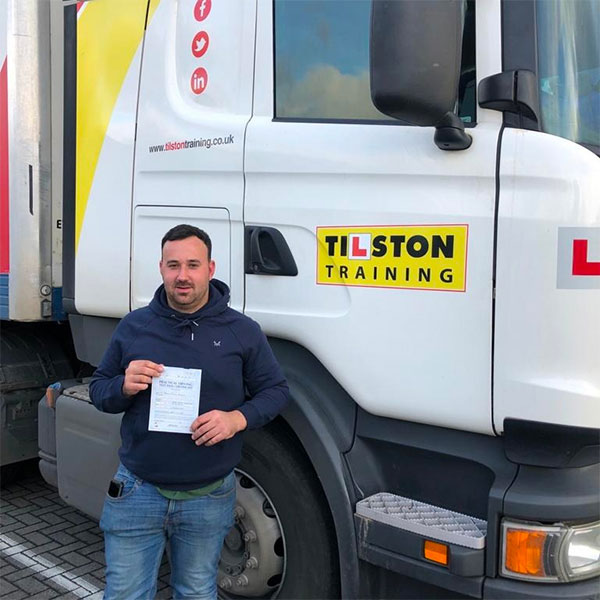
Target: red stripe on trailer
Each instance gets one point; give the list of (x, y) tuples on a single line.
[(79, 5), (4, 229)]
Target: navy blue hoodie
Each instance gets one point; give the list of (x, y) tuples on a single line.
[(239, 372)]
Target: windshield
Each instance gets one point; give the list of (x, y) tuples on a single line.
[(569, 68)]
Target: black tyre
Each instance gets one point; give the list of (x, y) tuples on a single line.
[(282, 544)]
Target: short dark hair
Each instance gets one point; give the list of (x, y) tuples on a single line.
[(182, 232)]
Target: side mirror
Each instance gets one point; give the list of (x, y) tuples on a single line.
[(415, 63), (515, 92)]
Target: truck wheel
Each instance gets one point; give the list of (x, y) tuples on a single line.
[(282, 544)]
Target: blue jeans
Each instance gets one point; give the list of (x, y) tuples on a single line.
[(139, 523)]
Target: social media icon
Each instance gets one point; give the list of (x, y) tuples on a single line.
[(199, 80), (200, 44), (202, 9)]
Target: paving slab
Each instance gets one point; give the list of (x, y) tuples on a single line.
[(49, 549)]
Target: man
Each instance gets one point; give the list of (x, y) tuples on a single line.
[(175, 487)]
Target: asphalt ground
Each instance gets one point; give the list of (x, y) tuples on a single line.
[(49, 549)]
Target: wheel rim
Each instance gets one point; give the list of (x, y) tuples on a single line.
[(252, 562)]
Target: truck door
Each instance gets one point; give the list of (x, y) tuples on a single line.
[(393, 238), (195, 101)]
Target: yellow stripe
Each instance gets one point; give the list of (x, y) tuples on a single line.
[(108, 34), (153, 6)]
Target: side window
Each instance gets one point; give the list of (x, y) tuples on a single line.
[(569, 69), (322, 61)]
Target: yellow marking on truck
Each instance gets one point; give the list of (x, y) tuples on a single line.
[(108, 36), (153, 5), (423, 257)]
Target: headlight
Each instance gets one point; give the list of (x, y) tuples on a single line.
[(582, 552), (550, 553)]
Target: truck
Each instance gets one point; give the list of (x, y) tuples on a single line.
[(405, 196)]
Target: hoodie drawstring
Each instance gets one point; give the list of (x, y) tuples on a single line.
[(182, 323)]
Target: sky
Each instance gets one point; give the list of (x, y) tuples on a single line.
[(334, 32)]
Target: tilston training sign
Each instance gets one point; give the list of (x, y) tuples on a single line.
[(427, 257)]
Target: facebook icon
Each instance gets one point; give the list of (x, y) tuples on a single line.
[(202, 9)]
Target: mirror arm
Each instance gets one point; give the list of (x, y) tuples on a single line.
[(450, 133)]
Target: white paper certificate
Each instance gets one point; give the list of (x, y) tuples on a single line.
[(174, 400)]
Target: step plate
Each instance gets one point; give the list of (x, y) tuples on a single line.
[(424, 519)]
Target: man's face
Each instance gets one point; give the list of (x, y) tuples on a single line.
[(186, 271)]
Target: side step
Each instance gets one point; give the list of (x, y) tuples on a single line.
[(424, 519), (392, 533)]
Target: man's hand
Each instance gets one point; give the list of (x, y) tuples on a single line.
[(138, 376), (217, 425)]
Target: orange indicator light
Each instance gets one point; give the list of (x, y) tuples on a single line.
[(525, 551), (435, 552)]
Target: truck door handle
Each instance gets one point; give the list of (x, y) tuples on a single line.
[(267, 253)]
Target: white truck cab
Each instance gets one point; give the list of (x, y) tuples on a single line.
[(405, 196)]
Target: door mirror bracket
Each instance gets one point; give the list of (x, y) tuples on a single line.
[(450, 133)]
